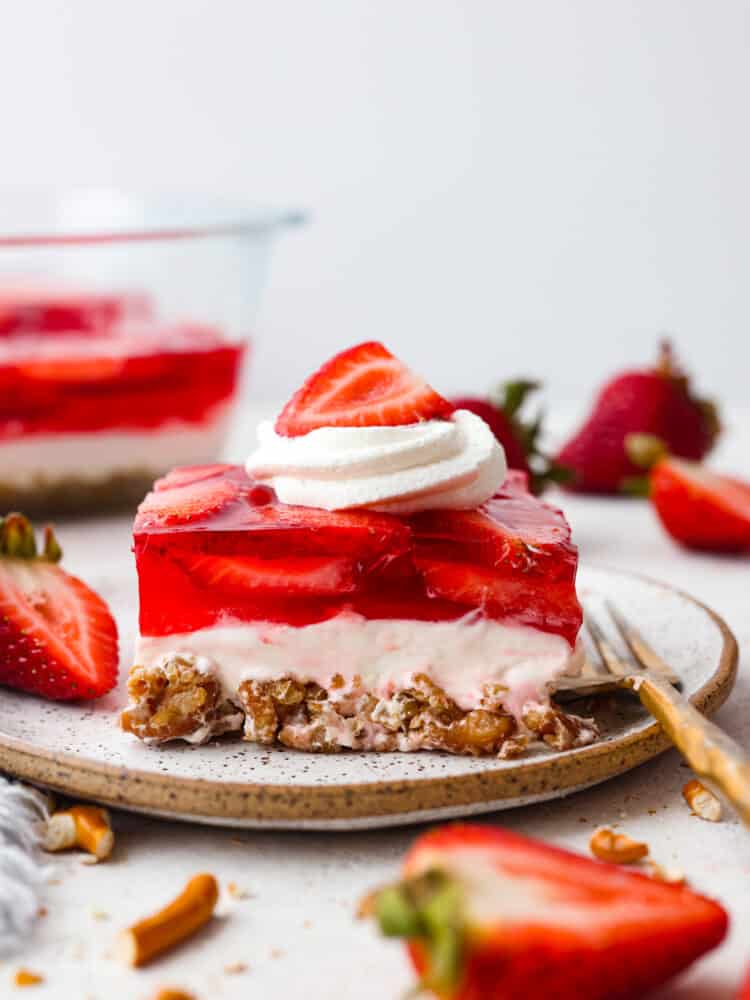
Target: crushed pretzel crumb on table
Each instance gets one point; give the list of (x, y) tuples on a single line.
[(235, 968), (25, 977)]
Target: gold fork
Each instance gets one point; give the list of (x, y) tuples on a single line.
[(708, 750)]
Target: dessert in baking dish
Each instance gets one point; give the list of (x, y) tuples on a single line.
[(97, 398), (374, 578)]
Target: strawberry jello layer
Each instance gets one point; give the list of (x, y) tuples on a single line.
[(88, 417), (31, 307), (326, 629)]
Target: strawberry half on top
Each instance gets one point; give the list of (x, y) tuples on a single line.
[(364, 386), (490, 915), (656, 401), (57, 637)]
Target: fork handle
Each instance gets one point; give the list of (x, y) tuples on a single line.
[(709, 751)]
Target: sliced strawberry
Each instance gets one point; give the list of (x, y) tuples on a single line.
[(37, 310), (186, 475), (195, 501), (550, 605), (744, 993), (258, 523), (513, 530), (490, 915), (57, 637), (365, 386), (700, 509), (93, 369), (321, 575)]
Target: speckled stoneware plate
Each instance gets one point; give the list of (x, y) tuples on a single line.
[(79, 749)]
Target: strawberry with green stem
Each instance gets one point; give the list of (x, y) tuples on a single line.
[(490, 915), (57, 637), (658, 401)]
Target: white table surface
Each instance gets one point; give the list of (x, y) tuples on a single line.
[(296, 930)]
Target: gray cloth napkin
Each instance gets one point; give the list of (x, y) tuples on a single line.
[(22, 869)]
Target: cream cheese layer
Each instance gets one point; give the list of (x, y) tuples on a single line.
[(94, 455), (461, 657)]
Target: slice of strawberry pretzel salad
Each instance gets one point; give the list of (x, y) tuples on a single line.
[(374, 578)]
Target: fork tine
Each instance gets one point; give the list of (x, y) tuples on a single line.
[(609, 657), (639, 648)]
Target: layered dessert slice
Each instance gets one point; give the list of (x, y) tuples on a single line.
[(374, 586), (94, 405)]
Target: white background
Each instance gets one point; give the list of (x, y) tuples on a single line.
[(495, 187)]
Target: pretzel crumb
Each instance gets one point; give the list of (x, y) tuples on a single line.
[(702, 802), (674, 876), (85, 827), (42, 911), (180, 919), (99, 915), (236, 893), (235, 968), (277, 953), (77, 951), (617, 848), (25, 977)]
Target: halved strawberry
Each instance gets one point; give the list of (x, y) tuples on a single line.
[(196, 500), (490, 915), (322, 575), (57, 637), (745, 989), (699, 508), (365, 386), (543, 603)]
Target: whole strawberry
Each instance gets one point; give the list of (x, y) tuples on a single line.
[(656, 401), (519, 438)]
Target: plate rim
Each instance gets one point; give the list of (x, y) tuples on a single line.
[(203, 800)]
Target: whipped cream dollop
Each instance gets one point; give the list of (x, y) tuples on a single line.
[(455, 463)]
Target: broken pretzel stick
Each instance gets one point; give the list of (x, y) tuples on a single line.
[(702, 802), (86, 827), (617, 848), (177, 921)]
